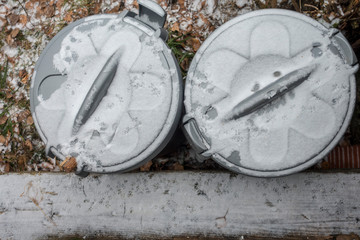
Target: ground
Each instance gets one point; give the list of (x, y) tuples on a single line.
[(28, 25)]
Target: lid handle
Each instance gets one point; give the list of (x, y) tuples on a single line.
[(269, 93), (151, 14), (97, 91)]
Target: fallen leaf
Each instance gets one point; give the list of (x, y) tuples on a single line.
[(59, 4), (68, 17), (22, 115), (21, 162), (175, 27), (46, 166), (114, 10), (29, 5), (4, 22), (49, 11), (13, 19), (3, 119), (97, 8), (181, 3), (14, 32), (9, 40), (2, 139), (146, 167), (25, 79), (5, 166), (29, 120), (69, 164), (29, 144), (22, 73), (8, 138), (8, 94), (194, 43), (176, 167)]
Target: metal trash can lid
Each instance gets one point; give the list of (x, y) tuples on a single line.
[(108, 91), (270, 93)]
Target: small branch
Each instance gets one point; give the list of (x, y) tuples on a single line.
[(27, 15), (311, 6), (296, 5)]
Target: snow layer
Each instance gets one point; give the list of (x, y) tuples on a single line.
[(248, 56), (133, 116)]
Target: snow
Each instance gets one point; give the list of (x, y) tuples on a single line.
[(241, 3), (154, 7), (291, 129), (134, 116), (9, 51)]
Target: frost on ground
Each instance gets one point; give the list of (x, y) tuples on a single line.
[(27, 27)]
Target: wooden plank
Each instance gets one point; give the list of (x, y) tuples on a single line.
[(178, 204)]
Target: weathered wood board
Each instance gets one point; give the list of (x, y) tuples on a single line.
[(178, 203)]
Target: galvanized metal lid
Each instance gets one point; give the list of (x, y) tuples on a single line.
[(107, 90), (269, 93)]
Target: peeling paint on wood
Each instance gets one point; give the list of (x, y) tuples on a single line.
[(177, 204)]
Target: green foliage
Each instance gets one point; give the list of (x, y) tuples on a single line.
[(3, 76), (177, 44)]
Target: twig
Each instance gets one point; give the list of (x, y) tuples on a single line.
[(296, 5), (308, 5), (27, 15)]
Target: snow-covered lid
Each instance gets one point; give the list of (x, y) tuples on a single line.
[(107, 90), (269, 93)]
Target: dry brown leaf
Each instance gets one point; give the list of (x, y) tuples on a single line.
[(135, 4), (6, 166), (3, 119), (181, 3), (14, 32), (8, 138), (8, 94), (2, 139), (29, 5), (9, 40), (22, 115), (21, 162), (68, 17), (23, 19), (4, 22), (46, 166), (146, 167), (25, 79), (176, 167), (49, 11), (194, 43), (59, 4), (204, 19), (97, 8), (69, 164), (22, 73), (325, 165), (29, 120), (352, 236), (175, 27), (29, 144), (13, 19)]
